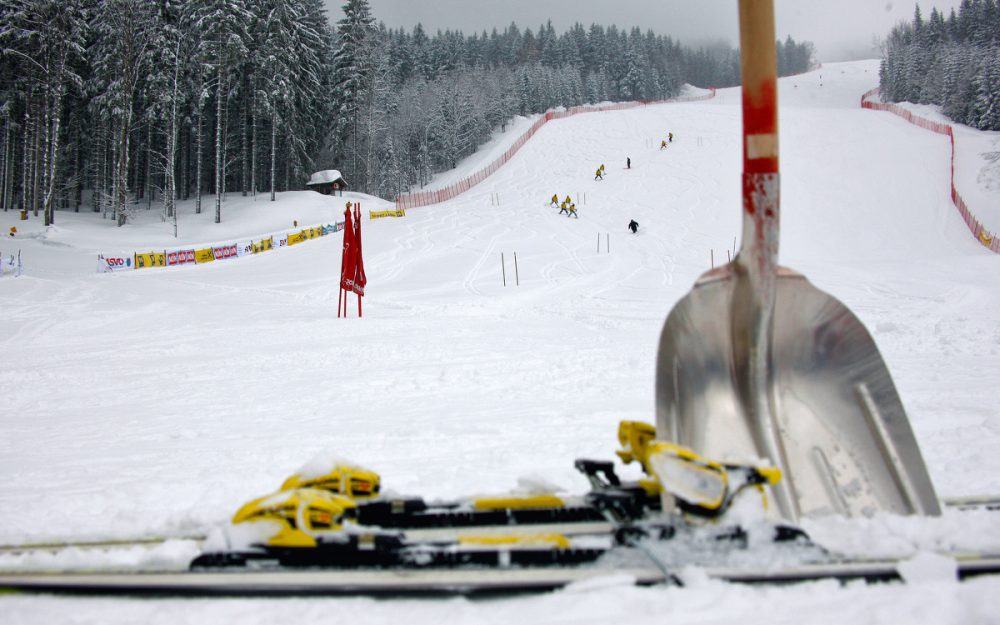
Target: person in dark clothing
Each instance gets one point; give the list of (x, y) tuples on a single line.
[(628, 163), (633, 226)]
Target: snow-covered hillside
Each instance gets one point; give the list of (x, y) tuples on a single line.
[(158, 401)]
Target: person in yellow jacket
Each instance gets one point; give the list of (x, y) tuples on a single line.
[(599, 175), (13, 230), (602, 168), (555, 199), (663, 144), (564, 208), (568, 200), (572, 211)]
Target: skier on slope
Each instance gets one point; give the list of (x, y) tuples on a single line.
[(663, 144), (555, 199), (572, 211), (628, 163), (633, 226), (564, 209), (599, 175), (670, 137)]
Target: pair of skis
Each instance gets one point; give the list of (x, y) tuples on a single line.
[(334, 534)]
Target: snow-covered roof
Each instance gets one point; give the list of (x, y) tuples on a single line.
[(324, 177)]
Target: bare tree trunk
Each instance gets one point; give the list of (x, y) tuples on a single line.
[(218, 148), (36, 174), (169, 206), (149, 168), (246, 161), (274, 140), (50, 216), (135, 186), (77, 162), (197, 173), (253, 145), (25, 159), (100, 155), (9, 186), (6, 161), (43, 180), (288, 160), (113, 170)]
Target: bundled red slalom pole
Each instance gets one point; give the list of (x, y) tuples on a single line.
[(352, 266)]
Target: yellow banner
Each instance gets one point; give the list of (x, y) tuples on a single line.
[(150, 259), (295, 238), (204, 256), (397, 212), (263, 245), (985, 237)]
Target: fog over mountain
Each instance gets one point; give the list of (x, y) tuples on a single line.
[(840, 30)]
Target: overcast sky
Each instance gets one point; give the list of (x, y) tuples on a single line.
[(839, 28)]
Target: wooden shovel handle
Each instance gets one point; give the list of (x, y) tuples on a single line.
[(758, 64)]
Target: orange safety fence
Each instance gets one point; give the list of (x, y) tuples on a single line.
[(985, 237), (426, 198)]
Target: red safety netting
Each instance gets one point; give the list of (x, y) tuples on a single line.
[(984, 236), (425, 198)]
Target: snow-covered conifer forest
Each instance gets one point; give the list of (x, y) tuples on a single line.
[(951, 61), (118, 105)]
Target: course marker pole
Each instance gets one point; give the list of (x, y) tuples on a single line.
[(503, 269), (517, 277)]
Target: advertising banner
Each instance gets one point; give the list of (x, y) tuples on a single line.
[(11, 265), (263, 245), (280, 240), (295, 238), (113, 263), (204, 256), (331, 228), (180, 257), (224, 252), (244, 248), (398, 212), (150, 259)]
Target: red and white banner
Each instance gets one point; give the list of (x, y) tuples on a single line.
[(180, 257), (225, 251)]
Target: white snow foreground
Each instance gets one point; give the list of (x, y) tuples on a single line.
[(156, 402)]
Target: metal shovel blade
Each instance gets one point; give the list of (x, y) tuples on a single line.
[(832, 421), (756, 363)]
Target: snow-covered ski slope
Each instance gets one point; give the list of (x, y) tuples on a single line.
[(158, 401)]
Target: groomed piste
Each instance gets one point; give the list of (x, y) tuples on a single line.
[(156, 402)]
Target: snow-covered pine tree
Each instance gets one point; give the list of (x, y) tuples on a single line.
[(121, 58), (222, 30), (355, 42)]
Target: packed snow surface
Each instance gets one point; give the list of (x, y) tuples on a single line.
[(156, 402)]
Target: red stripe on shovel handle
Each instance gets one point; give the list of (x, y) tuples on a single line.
[(758, 65)]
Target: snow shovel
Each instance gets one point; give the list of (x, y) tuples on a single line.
[(755, 362)]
